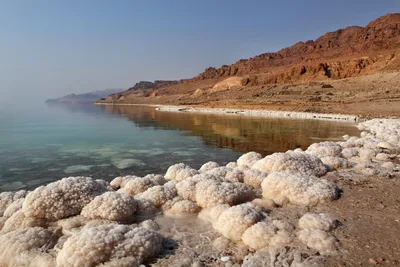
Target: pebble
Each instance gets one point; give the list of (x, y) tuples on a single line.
[(197, 264), (225, 258), (386, 145)]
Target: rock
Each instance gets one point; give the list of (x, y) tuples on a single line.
[(385, 145), (388, 165), (372, 261), (225, 258), (265, 203), (382, 156), (198, 264)]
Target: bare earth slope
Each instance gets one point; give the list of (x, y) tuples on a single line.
[(351, 70)]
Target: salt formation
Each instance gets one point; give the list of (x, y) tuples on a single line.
[(208, 166), (180, 172), (325, 149), (286, 187), (319, 240), (320, 221), (159, 194), (6, 198), (232, 222), (111, 206), (112, 244), (210, 193), (61, 199), (251, 205), (23, 241), (291, 161), (249, 159)]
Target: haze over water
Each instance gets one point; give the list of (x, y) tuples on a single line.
[(103, 142)]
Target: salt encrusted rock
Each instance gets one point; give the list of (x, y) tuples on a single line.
[(21, 241), (111, 206), (382, 157), (259, 235), (232, 165), (385, 145), (104, 243), (208, 166), (227, 174), (61, 199), (369, 171), (291, 161), (182, 208), (150, 224), (235, 220), (156, 179), (19, 220), (265, 203), (210, 193), (6, 198), (159, 194), (320, 221), (121, 181), (14, 207), (367, 153), (388, 165), (136, 186), (254, 178), (249, 159), (145, 207), (349, 152), (187, 188), (180, 172), (336, 163), (71, 224), (325, 149), (285, 187), (319, 240), (35, 258)]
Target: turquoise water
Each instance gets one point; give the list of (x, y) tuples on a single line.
[(44, 144)]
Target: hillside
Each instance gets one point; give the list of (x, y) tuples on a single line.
[(90, 97), (364, 57)]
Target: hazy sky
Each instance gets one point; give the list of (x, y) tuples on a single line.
[(51, 48)]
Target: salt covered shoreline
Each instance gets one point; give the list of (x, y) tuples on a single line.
[(250, 112), (80, 221), (261, 113)]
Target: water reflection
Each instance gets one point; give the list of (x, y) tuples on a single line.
[(242, 134)]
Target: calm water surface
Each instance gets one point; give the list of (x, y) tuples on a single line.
[(44, 144)]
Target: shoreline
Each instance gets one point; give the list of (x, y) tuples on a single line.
[(249, 112)]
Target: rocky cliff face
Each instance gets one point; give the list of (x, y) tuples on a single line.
[(379, 35), (140, 89)]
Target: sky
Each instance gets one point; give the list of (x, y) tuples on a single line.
[(49, 48)]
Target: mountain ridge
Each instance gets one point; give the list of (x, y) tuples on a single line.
[(89, 97)]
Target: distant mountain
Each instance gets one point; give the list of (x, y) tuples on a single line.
[(90, 97)]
